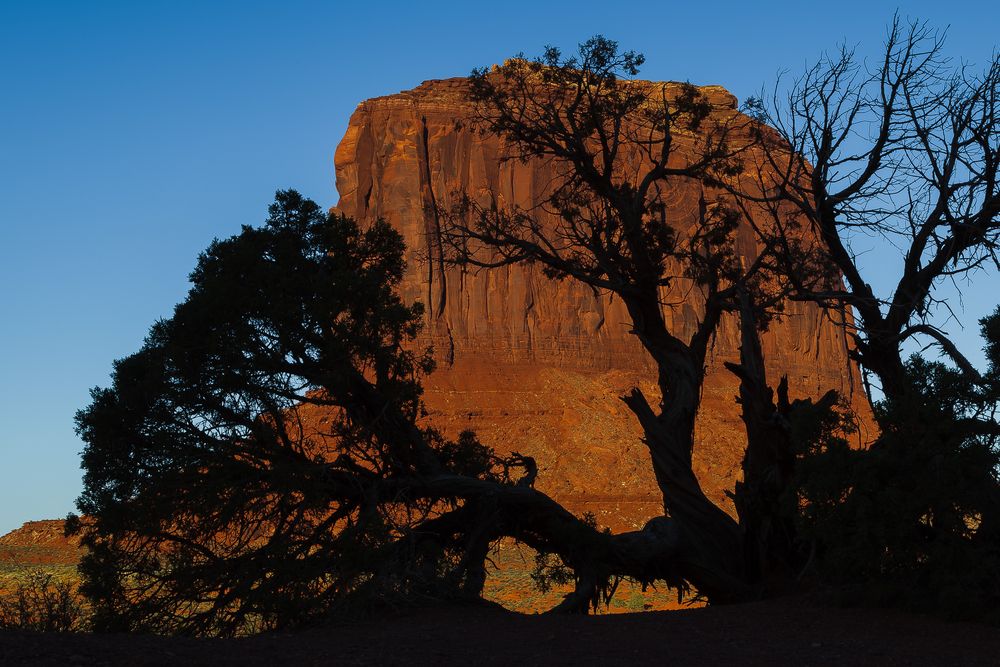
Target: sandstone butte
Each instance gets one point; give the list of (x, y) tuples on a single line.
[(535, 365)]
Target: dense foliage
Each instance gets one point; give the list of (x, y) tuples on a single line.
[(915, 519), (242, 471), (42, 603)]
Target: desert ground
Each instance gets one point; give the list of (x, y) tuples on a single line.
[(795, 632)]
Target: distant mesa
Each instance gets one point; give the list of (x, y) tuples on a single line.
[(41, 543)]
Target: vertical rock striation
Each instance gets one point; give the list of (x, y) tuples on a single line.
[(536, 365)]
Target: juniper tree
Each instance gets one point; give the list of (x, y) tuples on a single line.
[(614, 144)]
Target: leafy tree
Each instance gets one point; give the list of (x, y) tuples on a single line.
[(915, 519), (616, 144), (248, 468)]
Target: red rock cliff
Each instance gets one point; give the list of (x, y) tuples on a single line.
[(534, 365)]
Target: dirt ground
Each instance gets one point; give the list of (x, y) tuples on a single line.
[(792, 632)]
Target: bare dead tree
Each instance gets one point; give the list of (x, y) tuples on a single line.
[(903, 151)]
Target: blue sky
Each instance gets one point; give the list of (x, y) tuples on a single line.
[(133, 133)]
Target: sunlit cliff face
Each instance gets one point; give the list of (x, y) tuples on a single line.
[(536, 365)]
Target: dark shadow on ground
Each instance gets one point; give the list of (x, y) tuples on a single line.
[(794, 632)]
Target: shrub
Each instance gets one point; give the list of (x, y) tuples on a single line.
[(41, 603)]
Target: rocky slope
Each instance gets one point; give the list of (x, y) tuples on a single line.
[(535, 365), (37, 545), (46, 533)]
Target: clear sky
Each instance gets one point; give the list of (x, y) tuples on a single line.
[(133, 133)]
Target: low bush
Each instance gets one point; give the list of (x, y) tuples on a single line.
[(42, 603)]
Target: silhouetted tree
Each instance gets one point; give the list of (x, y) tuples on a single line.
[(914, 520), (905, 150), (605, 221), (258, 460)]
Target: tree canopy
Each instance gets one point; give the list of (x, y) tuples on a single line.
[(238, 469)]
